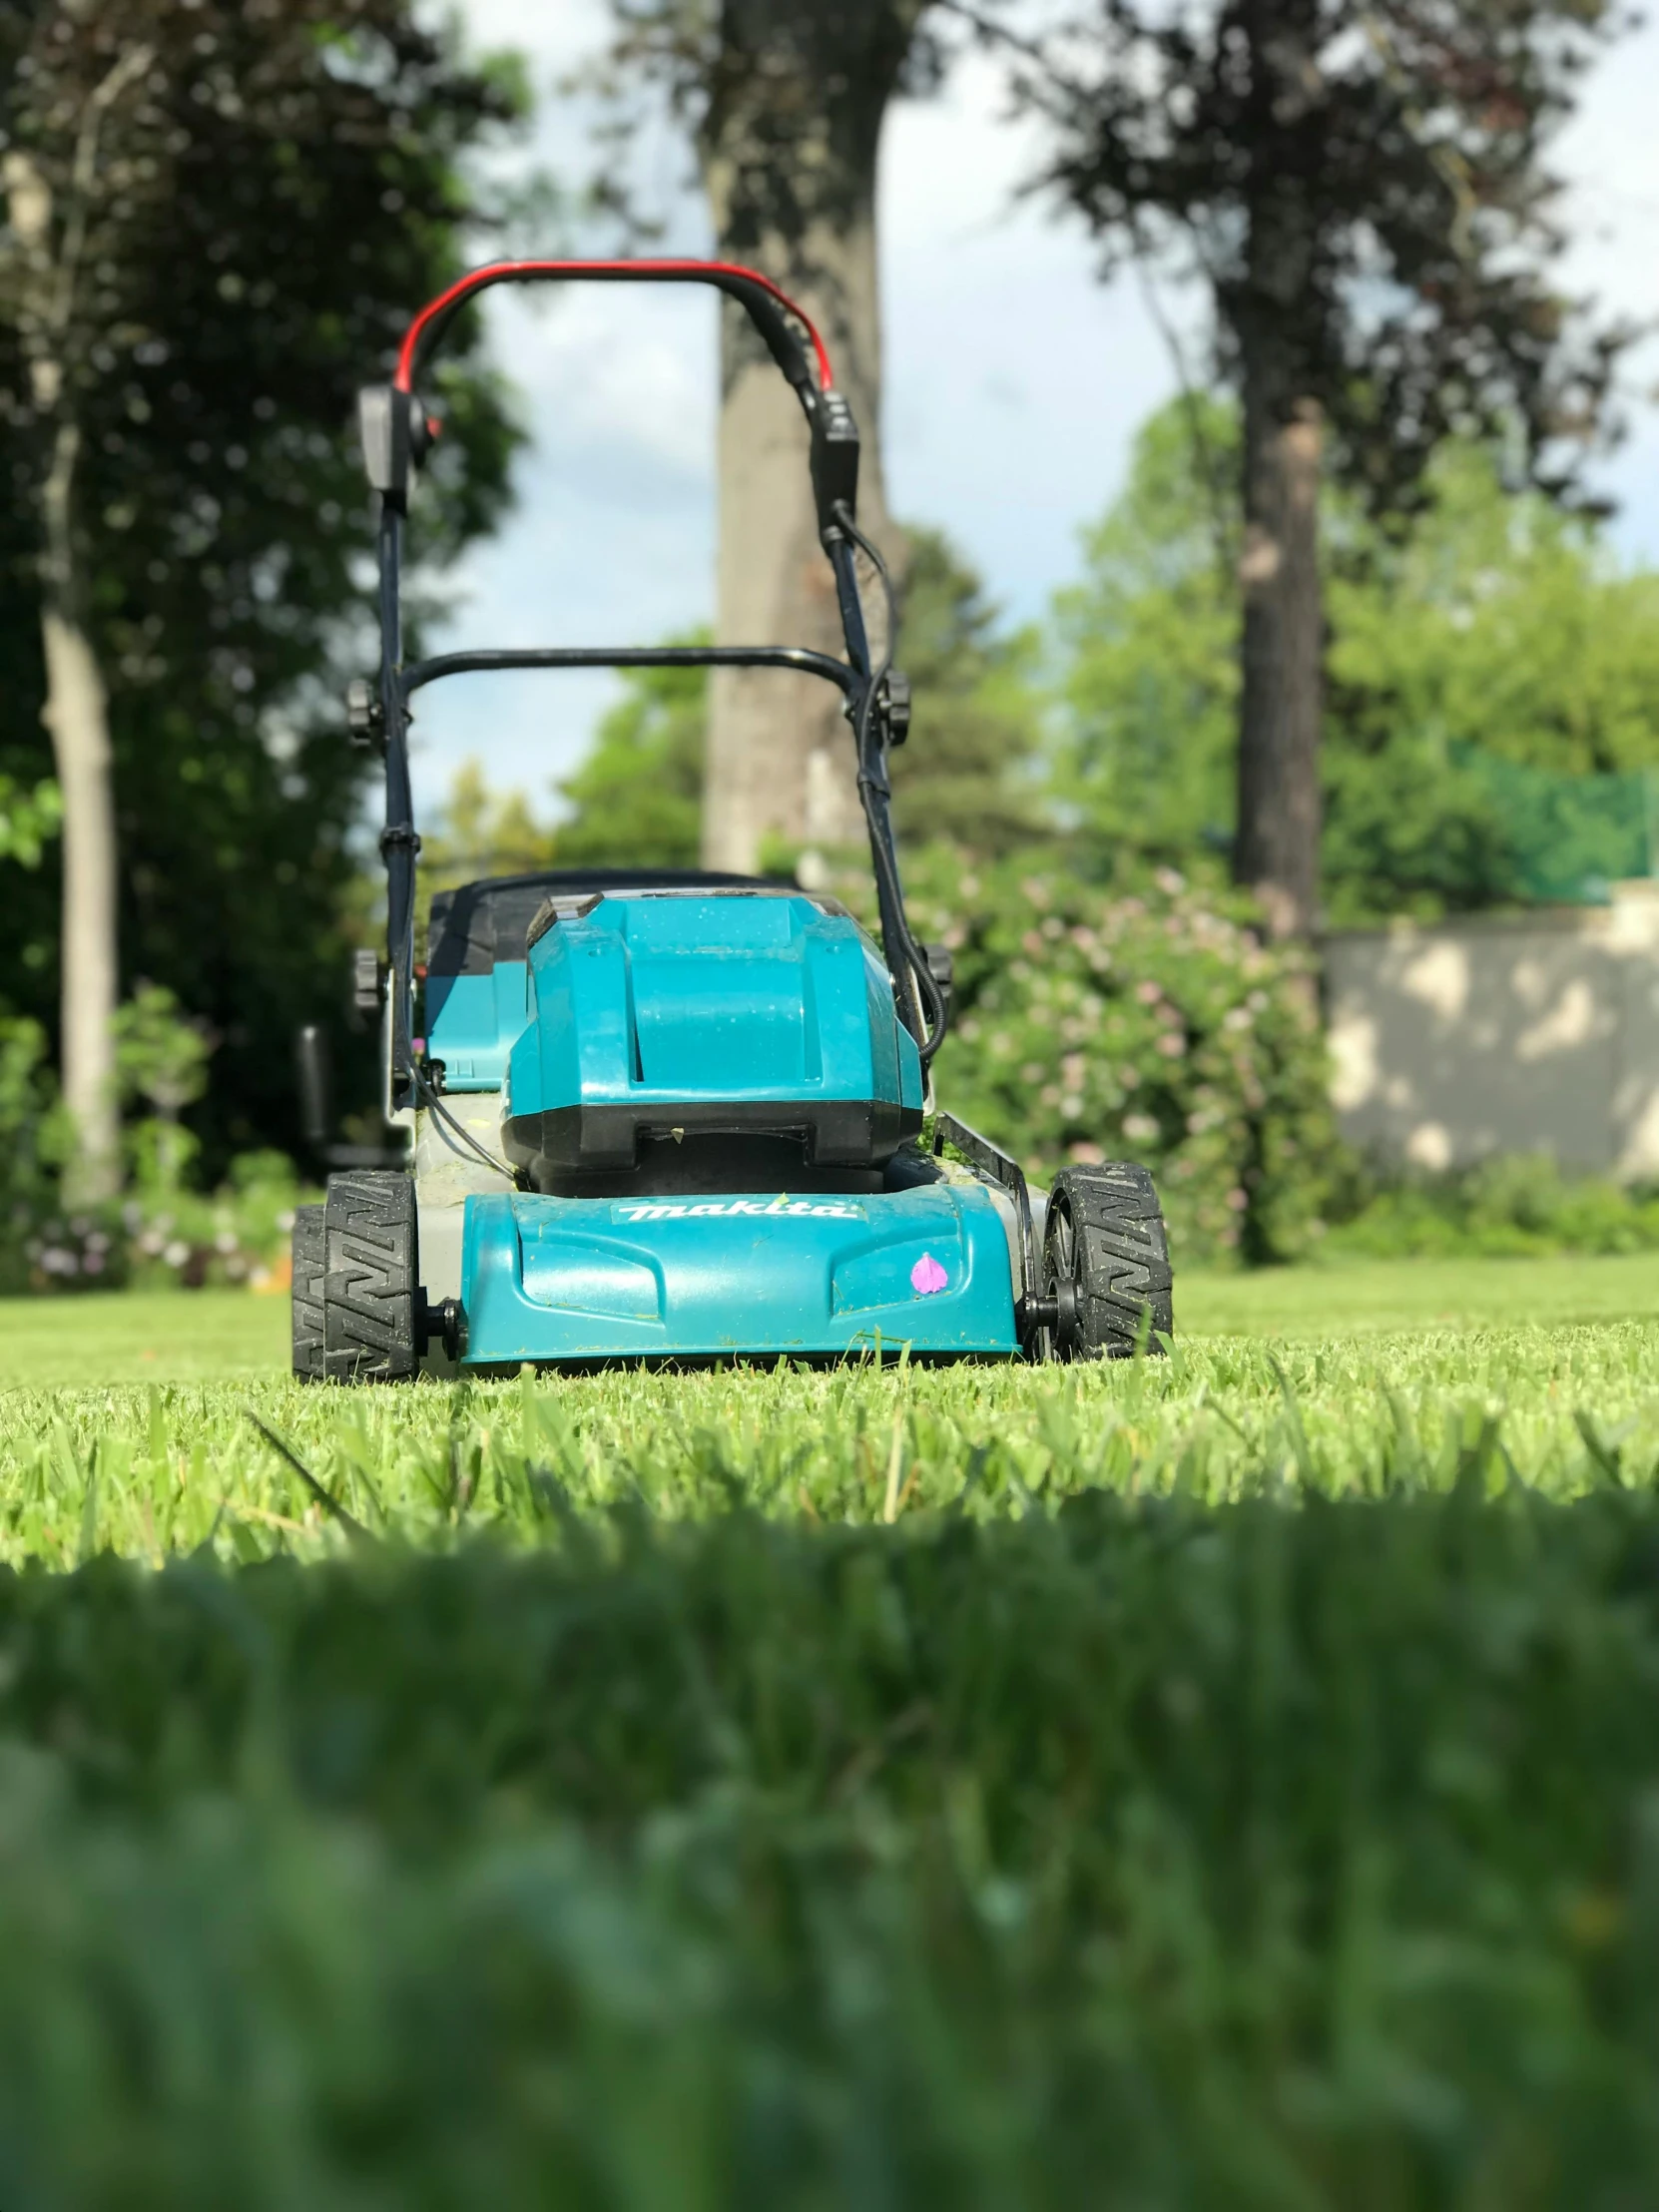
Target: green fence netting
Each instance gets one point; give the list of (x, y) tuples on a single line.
[(1571, 838)]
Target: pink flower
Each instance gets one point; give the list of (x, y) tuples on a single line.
[(927, 1276)]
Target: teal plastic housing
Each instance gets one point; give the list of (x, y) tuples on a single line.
[(555, 1278), (472, 1022), (668, 999)]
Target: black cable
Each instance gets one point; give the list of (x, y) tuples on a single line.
[(435, 1105), (935, 1011)]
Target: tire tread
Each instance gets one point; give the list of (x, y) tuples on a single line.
[(1123, 1260), (309, 1248), (370, 1280)]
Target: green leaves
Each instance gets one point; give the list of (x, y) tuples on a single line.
[(29, 819), (293, 183), (1144, 1020), (638, 796), (1491, 671)]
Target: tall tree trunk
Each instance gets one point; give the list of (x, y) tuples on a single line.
[(76, 711), (789, 161), (1276, 851), (77, 714), (1281, 696)]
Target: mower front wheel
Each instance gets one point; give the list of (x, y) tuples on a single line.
[(1106, 1265), (309, 1266), (372, 1280)]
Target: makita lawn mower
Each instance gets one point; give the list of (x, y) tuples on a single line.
[(672, 1115)]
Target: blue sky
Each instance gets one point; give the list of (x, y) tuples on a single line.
[(1015, 382)]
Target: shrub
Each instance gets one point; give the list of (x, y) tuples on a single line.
[(31, 1145), (165, 1232), (172, 1235), (1514, 1205), (1152, 1024)]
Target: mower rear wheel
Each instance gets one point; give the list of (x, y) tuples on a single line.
[(371, 1286), (310, 1264), (1106, 1263)]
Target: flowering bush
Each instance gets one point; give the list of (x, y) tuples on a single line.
[(1152, 1024), (160, 1238), (239, 1234), (164, 1231)]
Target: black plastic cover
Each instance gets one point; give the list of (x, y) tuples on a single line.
[(480, 923), (834, 459)]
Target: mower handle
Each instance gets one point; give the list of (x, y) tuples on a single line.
[(395, 436), (397, 432), (770, 308), (486, 660)]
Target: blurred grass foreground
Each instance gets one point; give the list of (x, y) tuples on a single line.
[(1228, 1780)]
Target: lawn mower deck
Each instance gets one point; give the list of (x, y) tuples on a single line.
[(668, 1114)]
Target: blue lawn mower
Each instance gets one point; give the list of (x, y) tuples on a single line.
[(672, 1115)]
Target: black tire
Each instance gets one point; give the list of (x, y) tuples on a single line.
[(372, 1285), (305, 1299), (1106, 1259)]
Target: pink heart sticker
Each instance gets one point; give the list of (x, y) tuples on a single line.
[(927, 1276)]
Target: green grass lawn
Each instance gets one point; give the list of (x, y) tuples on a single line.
[(127, 1419), (141, 1335), (1224, 1781), (212, 1336)]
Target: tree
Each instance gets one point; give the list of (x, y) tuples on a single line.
[(637, 798), (1361, 189), (1494, 695), (969, 770), (482, 831), (784, 105), (1501, 623), (218, 219), (1483, 657), (970, 773), (1149, 643)]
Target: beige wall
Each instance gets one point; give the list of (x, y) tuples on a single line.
[(1539, 1034)]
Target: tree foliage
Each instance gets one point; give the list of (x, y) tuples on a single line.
[(967, 771), (1148, 645), (1361, 190), (638, 797), (1499, 622), (970, 771), (1405, 154), (756, 85), (288, 184), (1493, 635)]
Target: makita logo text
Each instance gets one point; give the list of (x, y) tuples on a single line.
[(823, 1209)]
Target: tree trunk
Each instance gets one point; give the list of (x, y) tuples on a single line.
[(1282, 697), (1277, 846), (77, 714), (788, 157), (76, 711)]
